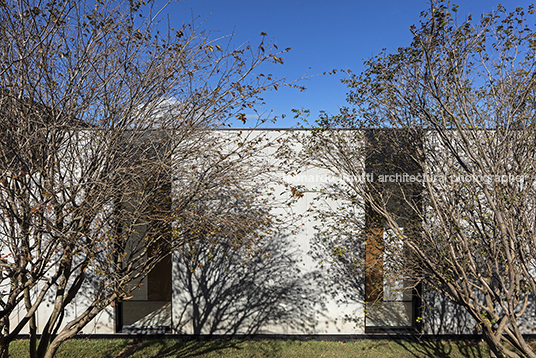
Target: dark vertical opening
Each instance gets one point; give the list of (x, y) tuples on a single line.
[(373, 258), (159, 280), (396, 153), (149, 308)]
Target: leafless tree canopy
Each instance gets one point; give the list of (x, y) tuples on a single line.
[(104, 113), (465, 90)]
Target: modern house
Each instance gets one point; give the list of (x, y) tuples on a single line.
[(286, 290)]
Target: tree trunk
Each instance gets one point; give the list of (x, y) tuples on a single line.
[(4, 350), (32, 324), (53, 348), (497, 349)]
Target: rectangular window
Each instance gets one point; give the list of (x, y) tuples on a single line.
[(391, 300), (149, 307)]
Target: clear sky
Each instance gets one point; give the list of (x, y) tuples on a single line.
[(323, 35)]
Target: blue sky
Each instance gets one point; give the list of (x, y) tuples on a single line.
[(322, 35)]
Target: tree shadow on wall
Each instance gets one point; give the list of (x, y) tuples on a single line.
[(445, 317), (227, 292), (343, 274)]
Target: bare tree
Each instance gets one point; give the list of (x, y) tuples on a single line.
[(103, 117), (456, 111)]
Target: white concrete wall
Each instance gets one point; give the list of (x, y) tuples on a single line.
[(307, 310)]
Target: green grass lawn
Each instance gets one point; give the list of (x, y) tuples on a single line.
[(167, 348)]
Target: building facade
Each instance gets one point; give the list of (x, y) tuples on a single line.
[(288, 288)]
